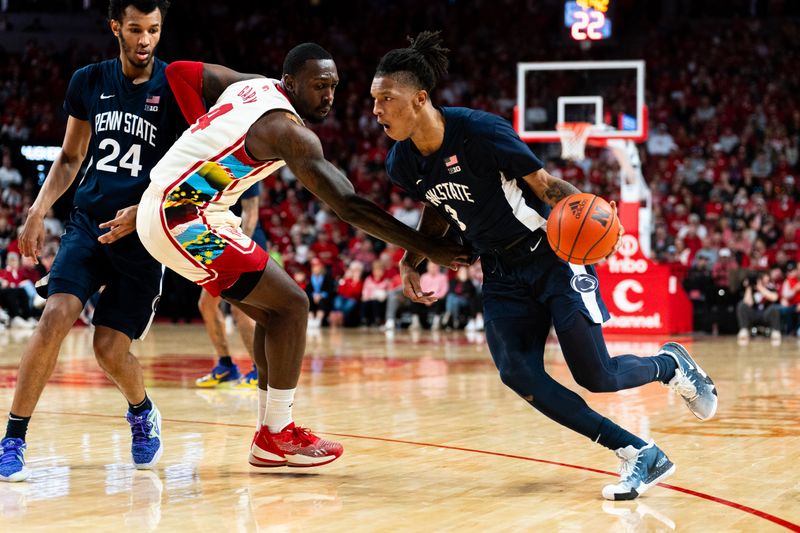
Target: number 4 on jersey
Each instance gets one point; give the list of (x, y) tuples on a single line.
[(205, 121)]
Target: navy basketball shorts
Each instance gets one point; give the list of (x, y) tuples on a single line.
[(540, 287), (130, 276)]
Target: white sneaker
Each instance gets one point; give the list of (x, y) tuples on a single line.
[(743, 335), (639, 470), (436, 323), (19, 323), (775, 336), (414, 322), (38, 302), (471, 326), (389, 325)]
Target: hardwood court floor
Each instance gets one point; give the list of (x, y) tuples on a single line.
[(433, 442)]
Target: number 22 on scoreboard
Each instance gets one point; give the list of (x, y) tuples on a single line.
[(587, 24)]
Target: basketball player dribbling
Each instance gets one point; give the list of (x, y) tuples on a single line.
[(122, 113), (253, 129), (478, 179)]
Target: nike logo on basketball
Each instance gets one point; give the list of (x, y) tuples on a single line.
[(106, 96)]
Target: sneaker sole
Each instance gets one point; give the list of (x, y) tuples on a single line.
[(685, 353), (294, 461), (644, 487), (16, 477)]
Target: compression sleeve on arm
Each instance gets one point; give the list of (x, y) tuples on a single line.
[(186, 81)]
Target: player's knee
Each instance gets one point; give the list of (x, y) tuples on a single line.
[(597, 381), (59, 314), (513, 378)]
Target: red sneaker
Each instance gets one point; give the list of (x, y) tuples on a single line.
[(293, 446)]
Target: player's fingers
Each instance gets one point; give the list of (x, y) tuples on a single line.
[(110, 223)]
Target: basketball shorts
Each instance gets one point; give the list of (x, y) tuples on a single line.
[(209, 250), (130, 276), (530, 282)]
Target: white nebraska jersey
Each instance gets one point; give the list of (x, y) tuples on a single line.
[(184, 218), (208, 166)]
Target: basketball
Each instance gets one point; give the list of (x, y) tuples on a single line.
[(582, 229)]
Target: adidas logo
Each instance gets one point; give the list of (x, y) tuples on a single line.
[(577, 207)]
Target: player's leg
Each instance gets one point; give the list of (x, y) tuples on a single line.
[(124, 312), (516, 330), (72, 279), (35, 368), (577, 312), (225, 373), (246, 327), (286, 306)]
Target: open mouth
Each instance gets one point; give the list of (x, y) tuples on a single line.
[(142, 56)]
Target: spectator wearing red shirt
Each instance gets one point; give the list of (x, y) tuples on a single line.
[(790, 299), (348, 296), (324, 249), (373, 295), (16, 293)]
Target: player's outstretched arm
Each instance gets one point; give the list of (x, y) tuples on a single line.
[(58, 180), (549, 188), (430, 223), (279, 135)]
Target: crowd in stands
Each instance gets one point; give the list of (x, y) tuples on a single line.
[(721, 160)]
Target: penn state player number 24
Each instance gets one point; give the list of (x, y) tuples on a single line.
[(130, 160)]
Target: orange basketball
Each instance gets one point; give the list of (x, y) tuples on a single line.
[(582, 229)]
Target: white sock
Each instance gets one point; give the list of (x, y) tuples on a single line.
[(279, 408), (262, 407)]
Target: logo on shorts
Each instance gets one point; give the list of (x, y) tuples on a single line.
[(585, 283)]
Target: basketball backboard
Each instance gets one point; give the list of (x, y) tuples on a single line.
[(607, 94)]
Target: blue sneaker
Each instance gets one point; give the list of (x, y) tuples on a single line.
[(248, 381), (146, 446), (691, 382), (220, 376), (640, 469), (12, 460)]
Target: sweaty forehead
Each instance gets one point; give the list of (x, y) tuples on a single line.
[(394, 84), (319, 69)]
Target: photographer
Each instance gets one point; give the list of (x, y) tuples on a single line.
[(759, 307)]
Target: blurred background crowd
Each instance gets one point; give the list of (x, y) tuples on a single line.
[(721, 159)]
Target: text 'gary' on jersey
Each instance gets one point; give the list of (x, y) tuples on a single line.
[(133, 125)]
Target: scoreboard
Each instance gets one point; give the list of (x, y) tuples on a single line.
[(588, 20)]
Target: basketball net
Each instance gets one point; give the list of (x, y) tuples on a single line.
[(573, 139)]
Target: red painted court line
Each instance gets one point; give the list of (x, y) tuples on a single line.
[(750, 510)]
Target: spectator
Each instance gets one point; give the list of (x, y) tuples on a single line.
[(348, 296), (14, 298), (460, 301), (374, 294), (790, 300), (8, 174), (759, 307), (660, 141), (435, 281), (320, 290)]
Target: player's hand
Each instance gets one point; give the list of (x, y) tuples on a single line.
[(613, 205), (31, 238), (450, 254), (123, 224), (412, 288)]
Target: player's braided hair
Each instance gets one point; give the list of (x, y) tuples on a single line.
[(116, 8), (425, 60)]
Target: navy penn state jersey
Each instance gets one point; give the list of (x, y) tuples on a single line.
[(475, 179), (133, 125)]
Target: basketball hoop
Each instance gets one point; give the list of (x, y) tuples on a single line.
[(573, 137)]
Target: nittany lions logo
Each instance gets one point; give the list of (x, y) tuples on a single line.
[(584, 283)]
